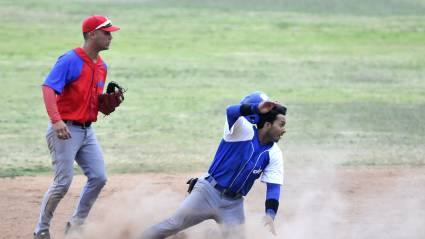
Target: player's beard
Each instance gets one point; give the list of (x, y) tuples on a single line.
[(277, 137), (273, 138), (105, 46)]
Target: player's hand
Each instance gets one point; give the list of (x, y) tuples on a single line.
[(266, 106), (61, 130), (268, 222)]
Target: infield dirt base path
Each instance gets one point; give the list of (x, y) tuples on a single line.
[(316, 203)]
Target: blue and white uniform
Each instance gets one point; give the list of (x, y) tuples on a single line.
[(240, 160)]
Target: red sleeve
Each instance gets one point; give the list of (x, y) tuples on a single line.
[(49, 96)]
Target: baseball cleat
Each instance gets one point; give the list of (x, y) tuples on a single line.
[(44, 234)]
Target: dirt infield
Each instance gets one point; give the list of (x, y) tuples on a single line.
[(316, 203)]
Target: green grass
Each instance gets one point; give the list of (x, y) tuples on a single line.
[(350, 72)]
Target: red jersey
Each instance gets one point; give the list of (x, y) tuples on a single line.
[(78, 82)]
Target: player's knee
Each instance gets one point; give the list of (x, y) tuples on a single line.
[(174, 225), (175, 222), (99, 180), (61, 185), (59, 191)]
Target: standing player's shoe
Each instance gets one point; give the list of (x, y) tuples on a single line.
[(44, 234)]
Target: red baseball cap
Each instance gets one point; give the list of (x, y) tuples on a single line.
[(97, 22)]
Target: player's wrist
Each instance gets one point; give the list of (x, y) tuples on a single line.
[(255, 108), (271, 213), (54, 121), (272, 206), (249, 109)]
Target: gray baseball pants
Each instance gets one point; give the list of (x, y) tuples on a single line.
[(205, 202), (84, 148)]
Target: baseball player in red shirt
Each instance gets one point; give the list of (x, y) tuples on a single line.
[(73, 95)]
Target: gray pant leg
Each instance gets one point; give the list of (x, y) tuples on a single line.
[(63, 153), (231, 218), (90, 159), (195, 208)]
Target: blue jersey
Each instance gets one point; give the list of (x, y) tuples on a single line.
[(241, 159)]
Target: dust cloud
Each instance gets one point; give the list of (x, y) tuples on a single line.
[(321, 201)]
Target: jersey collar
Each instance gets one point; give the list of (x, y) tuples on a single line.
[(80, 51)]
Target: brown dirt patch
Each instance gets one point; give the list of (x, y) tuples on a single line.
[(316, 203)]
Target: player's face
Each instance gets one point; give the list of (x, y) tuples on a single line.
[(103, 39), (277, 128)]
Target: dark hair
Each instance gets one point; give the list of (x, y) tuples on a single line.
[(271, 115), (85, 35)]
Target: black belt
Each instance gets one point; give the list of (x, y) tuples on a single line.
[(82, 125), (224, 191)]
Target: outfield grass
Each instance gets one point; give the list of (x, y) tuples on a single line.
[(351, 73)]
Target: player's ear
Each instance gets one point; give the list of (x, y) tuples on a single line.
[(90, 35), (267, 125)]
